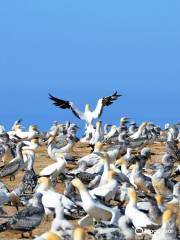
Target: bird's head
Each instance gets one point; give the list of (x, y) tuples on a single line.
[(143, 125), (120, 162), (79, 233), (113, 127), (98, 146), (98, 124), (17, 127), (51, 139), (87, 107), (111, 174), (124, 120), (35, 140), (132, 167), (51, 236), (132, 195), (44, 183), (33, 128), (14, 199), (167, 216), (105, 157), (76, 182), (159, 199)]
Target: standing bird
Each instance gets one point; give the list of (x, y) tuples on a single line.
[(87, 115), (16, 164), (27, 219)]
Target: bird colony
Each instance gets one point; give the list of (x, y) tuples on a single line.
[(113, 191)]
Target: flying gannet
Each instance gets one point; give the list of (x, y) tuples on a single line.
[(87, 115)]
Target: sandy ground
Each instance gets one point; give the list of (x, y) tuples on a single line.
[(43, 160)]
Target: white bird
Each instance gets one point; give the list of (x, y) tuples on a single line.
[(104, 177), (138, 133), (124, 166), (126, 228), (60, 225), (111, 133), (18, 132), (168, 230), (87, 115), (94, 157), (54, 151), (50, 198), (108, 190), (93, 208), (28, 151), (57, 167), (98, 135), (138, 218)]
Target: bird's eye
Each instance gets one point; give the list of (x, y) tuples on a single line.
[(139, 231)]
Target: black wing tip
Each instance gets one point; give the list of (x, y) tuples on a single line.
[(116, 94), (51, 96)]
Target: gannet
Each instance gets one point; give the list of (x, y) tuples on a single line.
[(104, 177), (12, 197), (139, 180), (64, 149), (123, 122), (11, 168), (152, 208), (6, 153), (51, 198), (93, 208), (138, 218), (132, 128), (27, 219), (168, 230), (55, 168), (32, 132), (98, 135), (94, 157), (17, 122), (126, 227), (28, 152), (138, 133), (111, 232), (29, 179), (60, 227), (113, 132), (107, 191), (160, 202), (123, 164), (176, 196), (87, 115), (107, 128), (161, 184), (59, 224)]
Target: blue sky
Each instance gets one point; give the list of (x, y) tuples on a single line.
[(82, 50)]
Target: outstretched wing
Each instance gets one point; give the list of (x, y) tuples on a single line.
[(66, 104), (105, 101), (17, 122)]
